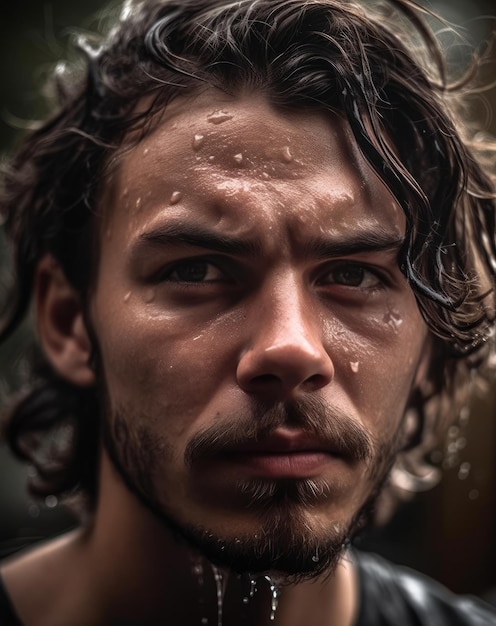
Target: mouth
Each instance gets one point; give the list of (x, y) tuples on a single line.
[(284, 454)]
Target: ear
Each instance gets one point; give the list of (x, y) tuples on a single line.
[(60, 323)]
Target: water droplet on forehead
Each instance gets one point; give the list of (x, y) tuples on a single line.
[(176, 196), (198, 141), (219, 117)]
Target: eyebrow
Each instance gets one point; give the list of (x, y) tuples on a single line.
[(192, 234), (355, 243), (195, 235)]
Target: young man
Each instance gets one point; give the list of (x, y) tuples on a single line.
[(261, 256)]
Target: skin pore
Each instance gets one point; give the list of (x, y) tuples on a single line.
[(258, 344)]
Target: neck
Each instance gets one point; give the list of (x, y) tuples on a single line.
[(139, 572)]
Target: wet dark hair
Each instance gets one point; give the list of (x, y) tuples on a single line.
[(378, 66)]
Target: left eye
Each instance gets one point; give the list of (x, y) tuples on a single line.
[(352, 275), (193, 271)]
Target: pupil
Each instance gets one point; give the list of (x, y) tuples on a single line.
[(350, 276), (192, 272)]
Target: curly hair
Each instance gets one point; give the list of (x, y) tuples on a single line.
[(377, 64)]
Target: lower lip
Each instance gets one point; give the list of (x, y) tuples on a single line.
[(283, 465)]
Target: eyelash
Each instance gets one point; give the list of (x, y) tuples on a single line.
[(166, 275), (380, 279)]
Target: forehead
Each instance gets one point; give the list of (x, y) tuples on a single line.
[(213, 153)]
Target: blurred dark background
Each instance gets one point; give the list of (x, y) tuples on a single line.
[(448, 532)]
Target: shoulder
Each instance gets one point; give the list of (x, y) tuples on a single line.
[(8, 616), (31, 581), (392, 595)]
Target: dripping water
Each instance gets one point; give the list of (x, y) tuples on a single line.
[(252, 591), (274, 600), (220, 578)]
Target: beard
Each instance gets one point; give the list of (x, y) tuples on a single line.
[(290, 541)]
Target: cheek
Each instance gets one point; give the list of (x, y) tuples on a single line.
[(163, 368), (376, 358)]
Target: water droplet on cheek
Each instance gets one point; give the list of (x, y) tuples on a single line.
[(146, 151), (127, 296), (354, 365), (198, 141), (138, 203), (238, 158), (176, 196), (286, 155), (149, 296), (393, 319)]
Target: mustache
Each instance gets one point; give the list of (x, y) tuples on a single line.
[(330, 425)]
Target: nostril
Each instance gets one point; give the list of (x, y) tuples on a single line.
[(317, 381), (265, 379)]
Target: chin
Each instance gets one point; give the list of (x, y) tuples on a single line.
[(290, 543)]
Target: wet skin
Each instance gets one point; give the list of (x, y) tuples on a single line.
[(249, 258)]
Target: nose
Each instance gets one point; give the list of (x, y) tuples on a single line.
[(285, 352)]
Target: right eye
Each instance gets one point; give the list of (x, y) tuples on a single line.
[(193, 271)]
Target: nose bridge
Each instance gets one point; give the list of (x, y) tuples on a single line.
[(286, 348), (287, 317)]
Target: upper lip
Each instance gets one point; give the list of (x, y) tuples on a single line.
[(284, 442)]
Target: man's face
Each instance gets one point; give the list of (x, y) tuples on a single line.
[(257, 338)]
